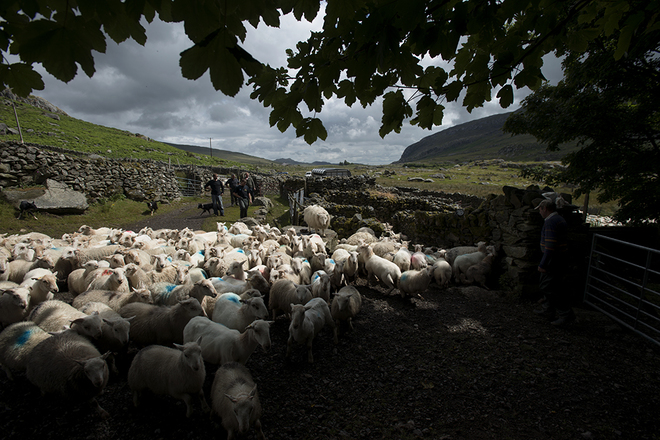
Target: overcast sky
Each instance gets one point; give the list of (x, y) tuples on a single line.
[(140, 89)]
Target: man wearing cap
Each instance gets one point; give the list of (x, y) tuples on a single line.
[(217, 188), (554, 244)]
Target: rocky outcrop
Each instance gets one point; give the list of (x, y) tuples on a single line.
[(57, 198)]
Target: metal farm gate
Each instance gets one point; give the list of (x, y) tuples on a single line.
[(623, 282), (189, 187)]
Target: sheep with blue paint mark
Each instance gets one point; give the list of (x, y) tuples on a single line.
[(221, 345), (321, 285), (414, 282), (166, 294), (16, 343), (160, 324), (234, 312)]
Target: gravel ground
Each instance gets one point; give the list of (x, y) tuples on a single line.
[(460, 363)]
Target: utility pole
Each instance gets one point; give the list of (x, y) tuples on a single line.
[(210, 148)]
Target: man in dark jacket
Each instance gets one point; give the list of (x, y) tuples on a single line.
[(217, 188), (241, 193), (553, 266), (232, 183)]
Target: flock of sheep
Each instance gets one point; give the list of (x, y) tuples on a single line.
[(187, 299)]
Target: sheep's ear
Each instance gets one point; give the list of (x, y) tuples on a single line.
[(105, 355), (199, 340), (178, 346), (77, 321), (270, 322), (232, 398), (253, 392)]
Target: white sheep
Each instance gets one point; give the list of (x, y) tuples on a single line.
[(385, 271), (42, 287), (442, 271), (283, 293), (167, 274), (159, 324), (116, 300), (110, 279), (303, 269), (56, 315), (235, 399), (464, 261), (255, 280), (321, 285), (68, 364), (17, 269), (169, 294), (478, 273), (115, 330), (418, 259), (454, 252), (346, 303), (17, 342), (337, 276), (136, 276), (414, 282), (234, 312), (403, 258), (351, 267), (317, 261), (306, 322), (221, 345), (340, 254), (14, 305), (215, 267), (76, 281), (317, 218), (178, 372)]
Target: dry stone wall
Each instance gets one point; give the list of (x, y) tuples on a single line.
[(507, 221), (94, 176), (98, 178)]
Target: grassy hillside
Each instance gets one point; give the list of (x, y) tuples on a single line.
[(478, 140), (58, 129)]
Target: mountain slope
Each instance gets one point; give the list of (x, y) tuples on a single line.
[(479, 139)]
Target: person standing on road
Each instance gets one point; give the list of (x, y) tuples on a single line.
[(554, 245), (217, 188), (242, 198)]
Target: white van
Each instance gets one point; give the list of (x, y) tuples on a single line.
[(308, 174)]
